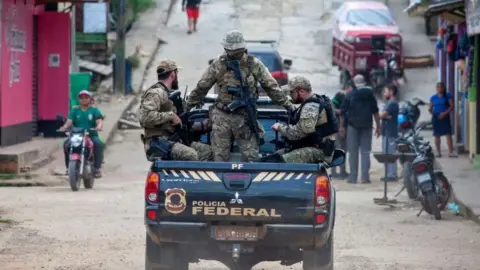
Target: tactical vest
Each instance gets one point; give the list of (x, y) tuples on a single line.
[(164, 129), (321, 131), (226, 78)]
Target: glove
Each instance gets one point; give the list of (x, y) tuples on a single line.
[(290, 108)]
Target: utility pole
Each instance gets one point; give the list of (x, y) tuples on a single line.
[(73, 41), (120, 49)]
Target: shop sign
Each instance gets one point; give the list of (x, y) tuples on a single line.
[(16, 42), (472, 8)]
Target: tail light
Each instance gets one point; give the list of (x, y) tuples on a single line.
[(322, 190), (421, 167), (280, 75), (405, 124), (151, 187), (322, 196)]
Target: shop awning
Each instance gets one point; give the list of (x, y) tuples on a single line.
[(417, 7), (41, 2), (450, 10)]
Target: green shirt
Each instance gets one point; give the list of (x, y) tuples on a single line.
[(85, 119)]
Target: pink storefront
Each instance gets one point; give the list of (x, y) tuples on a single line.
[(35, 59)]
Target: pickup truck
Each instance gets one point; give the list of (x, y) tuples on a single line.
[(240, 213)]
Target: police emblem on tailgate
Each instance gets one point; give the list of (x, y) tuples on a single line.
[(175, 201)]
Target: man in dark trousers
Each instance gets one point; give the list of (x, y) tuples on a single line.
[(341, 140), (389, 116), (358, 108), (193, 11)]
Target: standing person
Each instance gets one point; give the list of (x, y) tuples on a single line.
[(358, 108), (441, 104), (228, 124), (193, 11), (158, 116), (90, 118), (389, 116), (341, 140)]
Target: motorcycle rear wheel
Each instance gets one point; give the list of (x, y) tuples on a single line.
[(74, 174), (443, 192), (88, 177), (433, 204)]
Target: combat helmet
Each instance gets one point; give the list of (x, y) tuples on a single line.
[(233, 40)]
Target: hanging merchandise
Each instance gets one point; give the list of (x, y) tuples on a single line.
[(463, 46), (452, 47), (470, 67), (440, 34)]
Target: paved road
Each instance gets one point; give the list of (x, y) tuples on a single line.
[(103, 228)]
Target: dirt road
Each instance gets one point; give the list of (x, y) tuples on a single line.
[(102, 229)]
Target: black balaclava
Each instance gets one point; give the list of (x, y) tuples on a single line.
[(235, 54)]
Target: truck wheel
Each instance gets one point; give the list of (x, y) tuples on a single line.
[(319, 258), (154, 254)]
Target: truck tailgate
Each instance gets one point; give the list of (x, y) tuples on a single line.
[(236, 193)]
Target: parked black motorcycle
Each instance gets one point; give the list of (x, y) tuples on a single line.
[(407, 120), (427, 182)]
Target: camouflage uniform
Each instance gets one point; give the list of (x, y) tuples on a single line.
[(156, 115), (309, 119), (233, 125)]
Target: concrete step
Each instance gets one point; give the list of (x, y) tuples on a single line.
[(28, 156)]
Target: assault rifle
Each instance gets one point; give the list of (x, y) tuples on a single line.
[(182, 131), (244, 100)]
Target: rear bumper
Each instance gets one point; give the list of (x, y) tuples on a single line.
[(276, 235)]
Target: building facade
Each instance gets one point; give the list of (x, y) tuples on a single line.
[(35, 54)]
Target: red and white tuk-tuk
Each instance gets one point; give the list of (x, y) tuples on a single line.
[(367, 41)]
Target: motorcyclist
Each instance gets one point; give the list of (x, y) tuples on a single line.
[(88, 117)]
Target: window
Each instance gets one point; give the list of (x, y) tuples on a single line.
[(270, 60), (364, 17)]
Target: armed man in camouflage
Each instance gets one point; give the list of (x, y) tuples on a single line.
[(158, 117), (228, 124), (313, 127)]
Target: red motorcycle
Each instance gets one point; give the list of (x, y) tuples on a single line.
[(81, 156)]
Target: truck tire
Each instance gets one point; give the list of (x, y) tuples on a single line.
[(153, 257), (319, 258)]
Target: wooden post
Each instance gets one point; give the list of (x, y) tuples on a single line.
[(120, 49)]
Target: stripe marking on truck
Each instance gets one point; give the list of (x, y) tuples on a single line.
[(212, 176), (259, 177)]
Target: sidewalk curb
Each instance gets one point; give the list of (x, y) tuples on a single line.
[(465, 210)]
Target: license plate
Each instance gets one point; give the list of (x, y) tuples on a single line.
[(422, 178), (236, 233)]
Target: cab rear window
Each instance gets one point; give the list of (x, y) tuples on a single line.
[(270, 60)]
